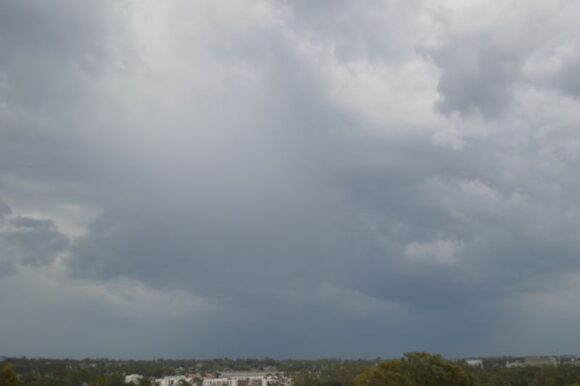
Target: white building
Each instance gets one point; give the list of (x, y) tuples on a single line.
[(477, 363), (218, 382), (173, 380), (247, 378), (513, 364), (133, 378)]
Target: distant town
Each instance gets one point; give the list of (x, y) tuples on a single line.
[(527, 361), (269, 377), (561, 370)]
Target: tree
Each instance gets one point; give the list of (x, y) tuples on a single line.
[(145, 381), (388, 373), (415, 369), (8, 376)]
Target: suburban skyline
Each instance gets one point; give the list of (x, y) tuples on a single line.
[(289, 179)]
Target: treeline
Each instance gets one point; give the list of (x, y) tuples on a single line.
[(393, 372), (563, 375), (414, 369), (43, 371)]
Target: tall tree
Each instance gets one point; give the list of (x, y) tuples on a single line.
[(415, 369), (8, 376)]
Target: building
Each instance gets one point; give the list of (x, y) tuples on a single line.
[(516, 363), (173, 380), (133, 378), (533, 361), (248, 378), (476, 363), (217, 382), (537, 361)]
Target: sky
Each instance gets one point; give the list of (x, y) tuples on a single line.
[(289, 178)]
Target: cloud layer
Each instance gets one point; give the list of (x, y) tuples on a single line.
[(288, 178)]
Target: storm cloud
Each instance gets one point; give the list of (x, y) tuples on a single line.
[(289, 178)]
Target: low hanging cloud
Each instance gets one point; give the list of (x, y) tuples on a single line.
[(287, 178)]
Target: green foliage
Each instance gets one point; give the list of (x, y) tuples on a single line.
[(415, 369), (388, 373), (563, 375), (329, 373), (145, 381), (8, 376)]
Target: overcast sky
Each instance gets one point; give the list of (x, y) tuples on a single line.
[(289, 178)]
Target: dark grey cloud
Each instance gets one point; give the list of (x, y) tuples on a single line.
[(29, 241), (476, 78), (4, 210), (287, 178)]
